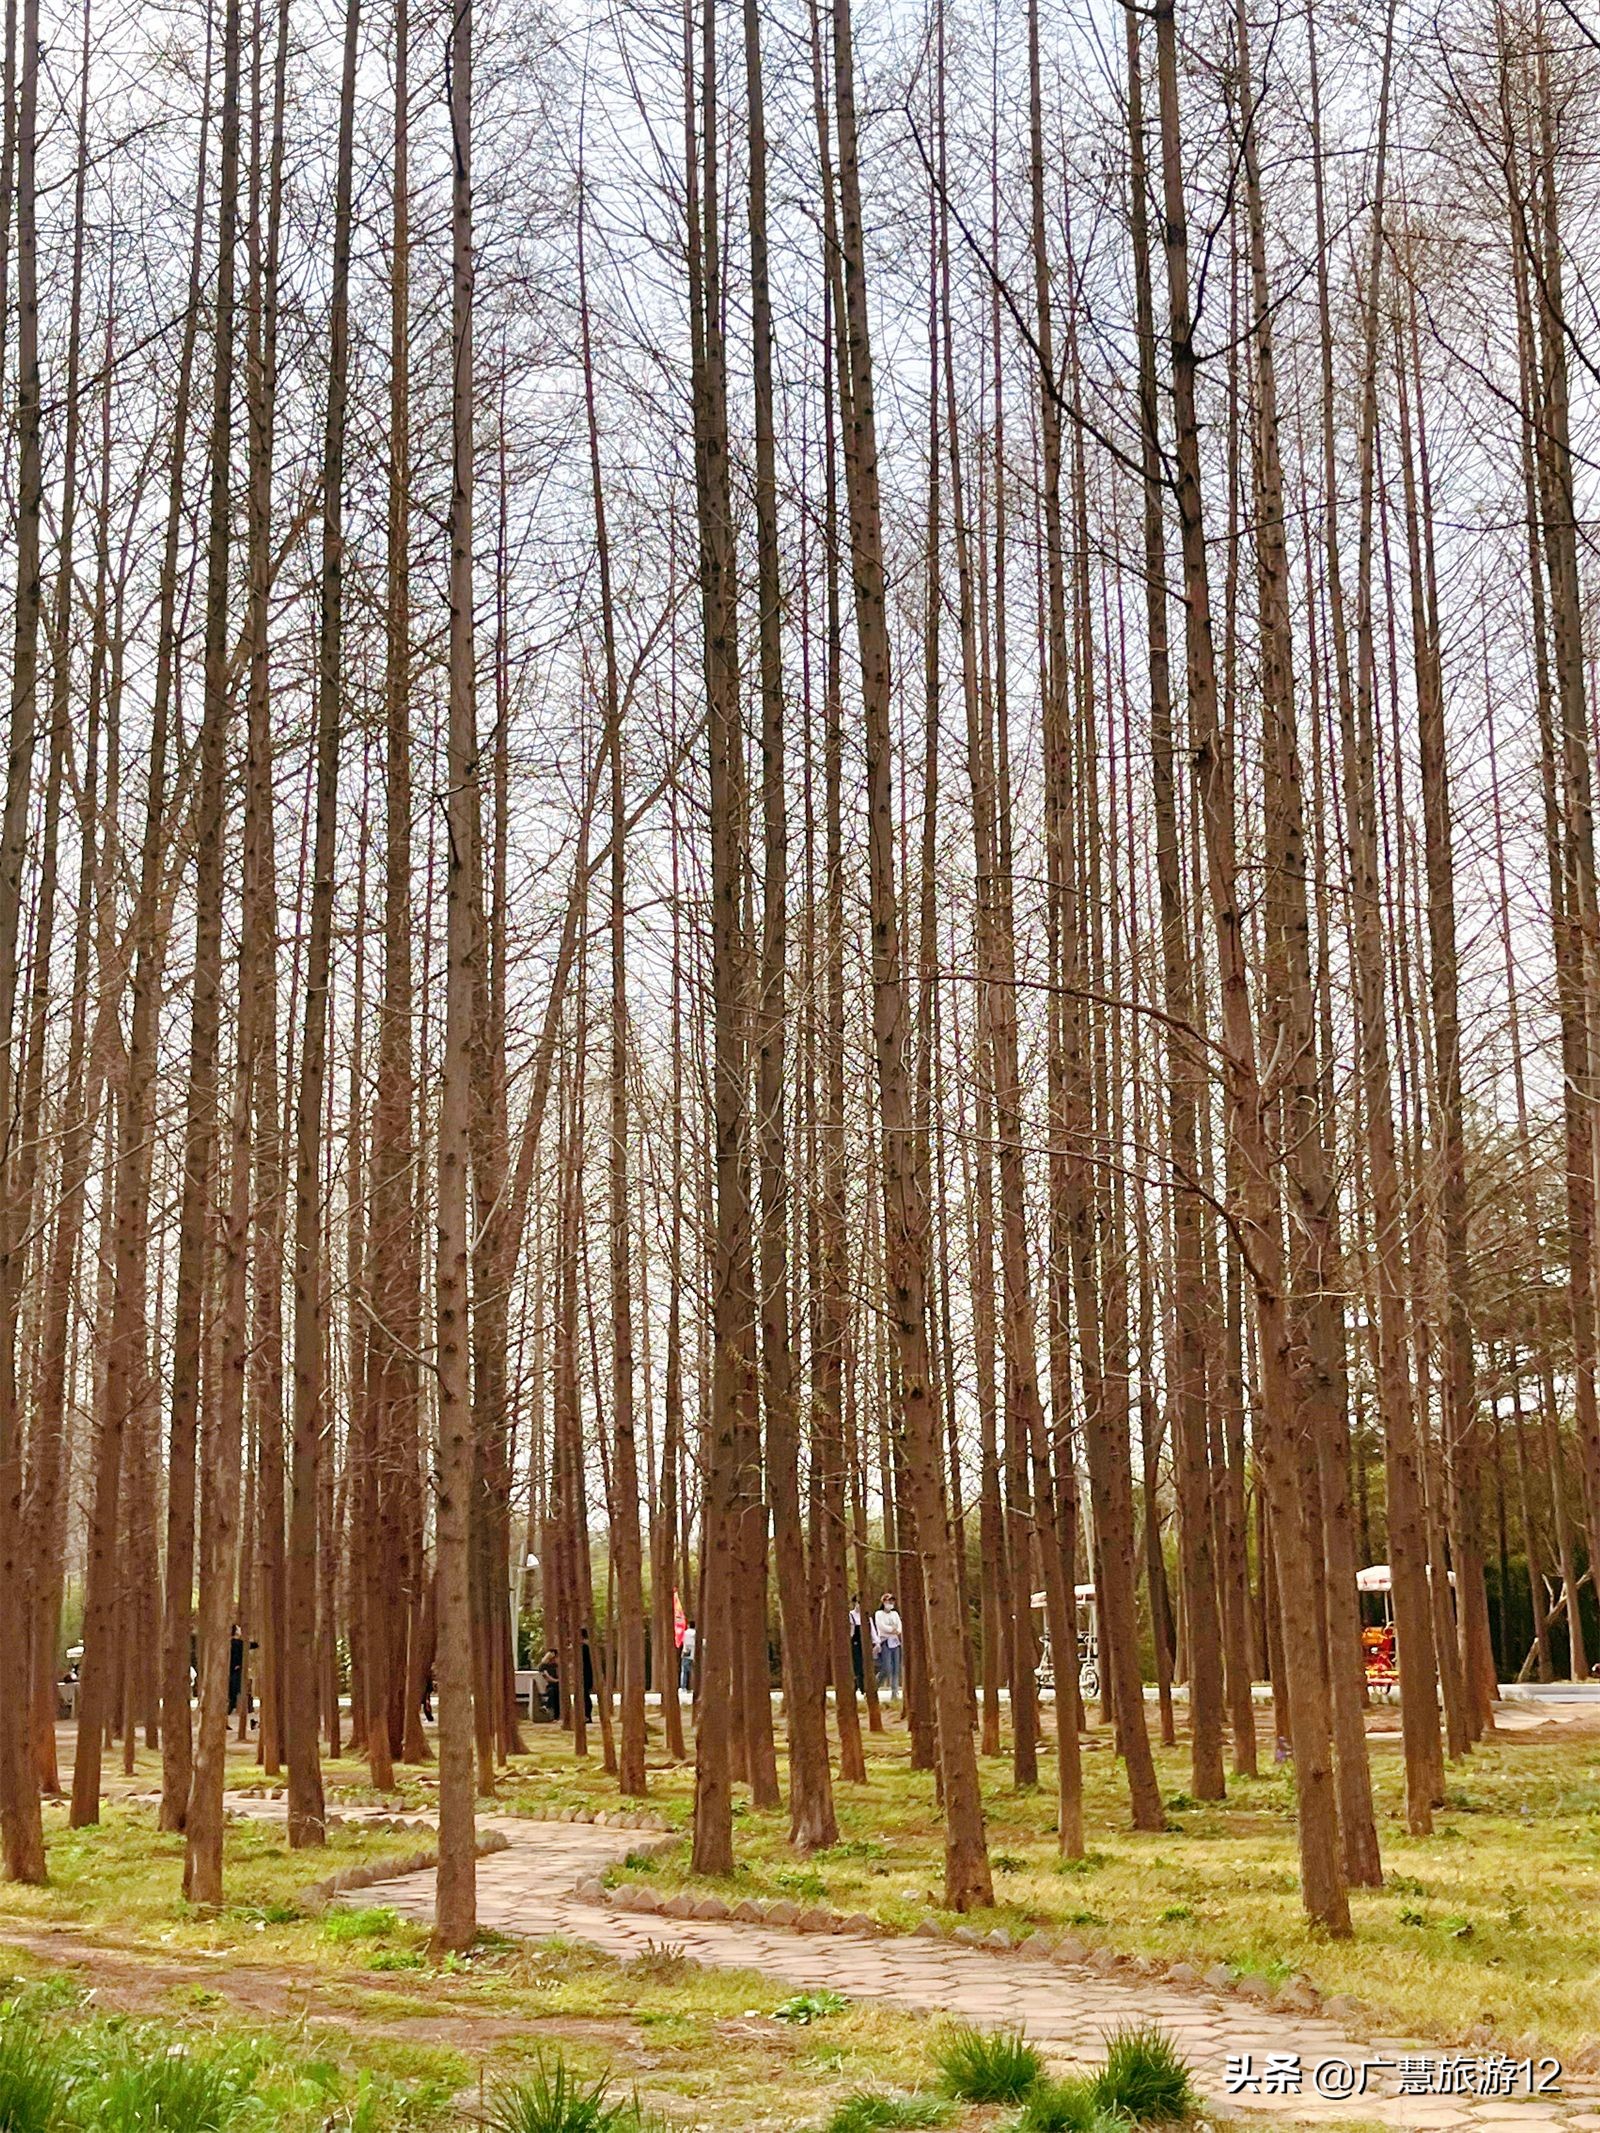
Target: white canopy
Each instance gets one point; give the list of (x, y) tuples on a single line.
[(1377, 1579)]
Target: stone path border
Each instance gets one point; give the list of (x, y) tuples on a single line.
[(545, 1884)]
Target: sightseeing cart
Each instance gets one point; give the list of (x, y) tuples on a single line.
[(1378, 1650), (1377, 1638), (1088, 1608)]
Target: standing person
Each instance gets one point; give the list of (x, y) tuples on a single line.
[(686, 1658), (887, 1632), (857, 1659), (588, 1677), (550, 1693)]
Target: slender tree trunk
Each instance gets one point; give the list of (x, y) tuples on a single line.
[(1185, 1071), (718, 1654), (967, 1877), (625, 1505), (1321, 1865), (812, 1824), (455, 1903), (200, 1126), (311, 1451), (1323, 1447)]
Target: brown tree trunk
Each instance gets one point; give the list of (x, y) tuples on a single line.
[(1321, 1866), (967, 1877), (1323, 1446), (626, 1550), (812, 1823), (309, 1567), (126, 1391), (455, 1902), (719, 1651), (1185, 1071), (200, 1126), (1462, 1430)]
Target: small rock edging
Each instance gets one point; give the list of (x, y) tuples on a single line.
[(320, 1894)]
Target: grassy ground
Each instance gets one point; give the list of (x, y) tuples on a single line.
[(341, 2020), (1490, 1925), (1493, 1923), (424, 2049)]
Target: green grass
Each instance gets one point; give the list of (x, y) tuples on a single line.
[(869, 2110), (1144, 2078), (66, 2069), (32, 2087), (1143, 2083), (375, 1922), (555, 2100), (169, 2091), (803, 2007), (1493, 1922), (986, 2065), (126, 1875), (1067, 2107)]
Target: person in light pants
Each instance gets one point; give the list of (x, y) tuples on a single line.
[(887, 1635)]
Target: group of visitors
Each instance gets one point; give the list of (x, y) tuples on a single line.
[(887, 1634), (881, 1632), (883, 1627)]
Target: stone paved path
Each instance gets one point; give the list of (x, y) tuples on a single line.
[(527, 1889)]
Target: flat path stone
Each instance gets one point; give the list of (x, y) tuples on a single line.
[(527, 1891)]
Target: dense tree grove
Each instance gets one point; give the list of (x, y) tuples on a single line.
[(799, 804)]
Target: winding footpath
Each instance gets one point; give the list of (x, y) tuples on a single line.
[(530, 1890)]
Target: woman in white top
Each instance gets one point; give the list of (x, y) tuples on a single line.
[(887, 1634)]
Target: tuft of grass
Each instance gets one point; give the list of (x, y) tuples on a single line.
[(1067, 2107), (374, 1923), (987, 2065), (870, 2109), (167, 2093), (1144, 2078), (553, 2100), (32, 2084), (661, 1962)]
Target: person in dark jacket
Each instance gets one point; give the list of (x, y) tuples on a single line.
[(550, 1694)]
